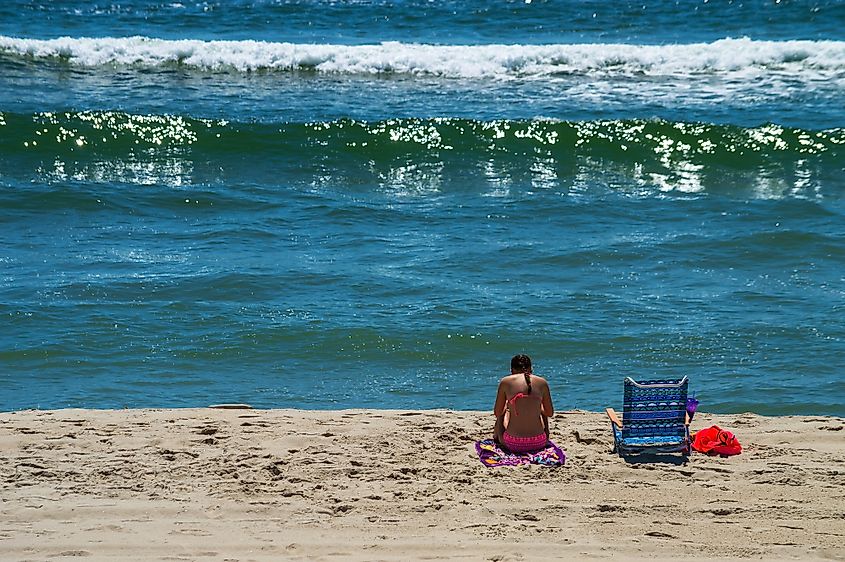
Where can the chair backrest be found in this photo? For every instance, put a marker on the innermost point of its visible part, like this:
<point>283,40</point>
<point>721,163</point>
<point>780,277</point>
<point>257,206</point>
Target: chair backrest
<point>654,408</point>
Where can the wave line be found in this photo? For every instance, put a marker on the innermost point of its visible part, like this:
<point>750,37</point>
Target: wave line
<point>810,58</point>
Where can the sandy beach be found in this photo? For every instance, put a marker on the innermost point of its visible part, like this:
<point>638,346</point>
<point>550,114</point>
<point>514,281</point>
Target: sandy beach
<point>206,484</point>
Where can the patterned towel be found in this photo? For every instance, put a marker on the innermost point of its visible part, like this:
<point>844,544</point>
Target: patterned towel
<point>491,454</point>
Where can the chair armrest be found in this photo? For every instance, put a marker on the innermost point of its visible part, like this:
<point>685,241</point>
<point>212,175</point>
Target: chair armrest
<point>613,417</point>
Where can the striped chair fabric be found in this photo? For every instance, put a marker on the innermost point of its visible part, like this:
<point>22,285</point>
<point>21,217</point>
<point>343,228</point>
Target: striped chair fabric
<point>653,417</point>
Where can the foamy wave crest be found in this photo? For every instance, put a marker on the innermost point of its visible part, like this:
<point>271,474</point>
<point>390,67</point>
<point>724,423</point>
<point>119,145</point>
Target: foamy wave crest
<point>808,59</point>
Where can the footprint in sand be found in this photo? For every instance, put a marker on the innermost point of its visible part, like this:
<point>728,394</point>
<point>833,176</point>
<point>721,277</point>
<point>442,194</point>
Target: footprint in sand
<point>720,512</point>
<point>191,532</point>
<point>112,528</point>
<point>606,508</point>
<point>660,535</point>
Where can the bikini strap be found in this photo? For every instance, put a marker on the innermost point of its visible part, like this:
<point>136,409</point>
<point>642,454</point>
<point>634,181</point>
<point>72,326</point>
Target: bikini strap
<point>512,401</point>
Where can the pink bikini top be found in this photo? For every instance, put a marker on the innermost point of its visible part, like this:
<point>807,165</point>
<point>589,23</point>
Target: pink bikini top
<point>512,401</point>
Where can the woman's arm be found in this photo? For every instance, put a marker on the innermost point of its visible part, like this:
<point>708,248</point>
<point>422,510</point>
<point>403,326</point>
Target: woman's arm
<point>501,400</point>
<point>548,407</point>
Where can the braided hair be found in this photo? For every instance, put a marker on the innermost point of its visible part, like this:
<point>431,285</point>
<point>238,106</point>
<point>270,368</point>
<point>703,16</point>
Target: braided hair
<point>522,363</point>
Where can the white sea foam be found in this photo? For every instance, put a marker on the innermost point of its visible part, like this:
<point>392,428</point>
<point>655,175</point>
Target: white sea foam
<point>742,59</point>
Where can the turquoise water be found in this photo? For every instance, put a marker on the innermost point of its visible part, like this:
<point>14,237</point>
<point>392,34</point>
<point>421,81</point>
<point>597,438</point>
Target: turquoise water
<point>375,204</point>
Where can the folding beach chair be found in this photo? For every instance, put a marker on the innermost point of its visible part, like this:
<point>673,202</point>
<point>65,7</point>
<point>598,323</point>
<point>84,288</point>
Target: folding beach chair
<point>654,418</point>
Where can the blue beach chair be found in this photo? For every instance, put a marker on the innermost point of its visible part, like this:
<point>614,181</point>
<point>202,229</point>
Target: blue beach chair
<point>654,418</point>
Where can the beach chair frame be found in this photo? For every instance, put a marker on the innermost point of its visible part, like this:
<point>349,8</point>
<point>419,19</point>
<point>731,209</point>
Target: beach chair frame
<point>654,418</point>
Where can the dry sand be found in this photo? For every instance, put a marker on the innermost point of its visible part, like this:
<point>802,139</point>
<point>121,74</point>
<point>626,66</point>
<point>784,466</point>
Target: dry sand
<point>243,485</point>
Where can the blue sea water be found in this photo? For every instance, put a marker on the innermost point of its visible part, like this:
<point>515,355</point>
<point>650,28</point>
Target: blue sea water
<point>332,204</point>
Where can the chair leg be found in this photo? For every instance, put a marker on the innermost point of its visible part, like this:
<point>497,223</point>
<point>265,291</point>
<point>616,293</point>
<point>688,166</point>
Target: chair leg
<point>615,442</point>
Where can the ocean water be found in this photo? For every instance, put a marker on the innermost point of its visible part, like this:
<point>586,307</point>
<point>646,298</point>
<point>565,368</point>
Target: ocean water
<point>373,203</point>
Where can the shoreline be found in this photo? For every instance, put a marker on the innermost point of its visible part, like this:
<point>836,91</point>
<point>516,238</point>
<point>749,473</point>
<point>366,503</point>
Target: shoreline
<point>219,484</point>
<point>243,407</point>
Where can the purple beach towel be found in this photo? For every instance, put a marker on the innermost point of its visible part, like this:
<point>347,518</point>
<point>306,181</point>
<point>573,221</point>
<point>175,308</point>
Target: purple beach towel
<point>491,454</point>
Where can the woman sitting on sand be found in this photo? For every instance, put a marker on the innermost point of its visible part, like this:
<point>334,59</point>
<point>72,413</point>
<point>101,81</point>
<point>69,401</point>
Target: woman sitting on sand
<point>523,408</point>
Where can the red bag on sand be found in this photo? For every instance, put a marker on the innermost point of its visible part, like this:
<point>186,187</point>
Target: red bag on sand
<point>716,441</point>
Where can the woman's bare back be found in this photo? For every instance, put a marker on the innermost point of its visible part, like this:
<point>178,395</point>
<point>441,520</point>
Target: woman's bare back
<point>526,406</point>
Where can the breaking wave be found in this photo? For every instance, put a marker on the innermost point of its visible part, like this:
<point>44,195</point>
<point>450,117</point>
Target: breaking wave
<point>809,60</point>
<point>422,154</point>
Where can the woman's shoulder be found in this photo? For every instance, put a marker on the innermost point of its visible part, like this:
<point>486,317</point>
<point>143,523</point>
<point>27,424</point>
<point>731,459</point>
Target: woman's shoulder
<point>537,379</point>
<point>510,383</point>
